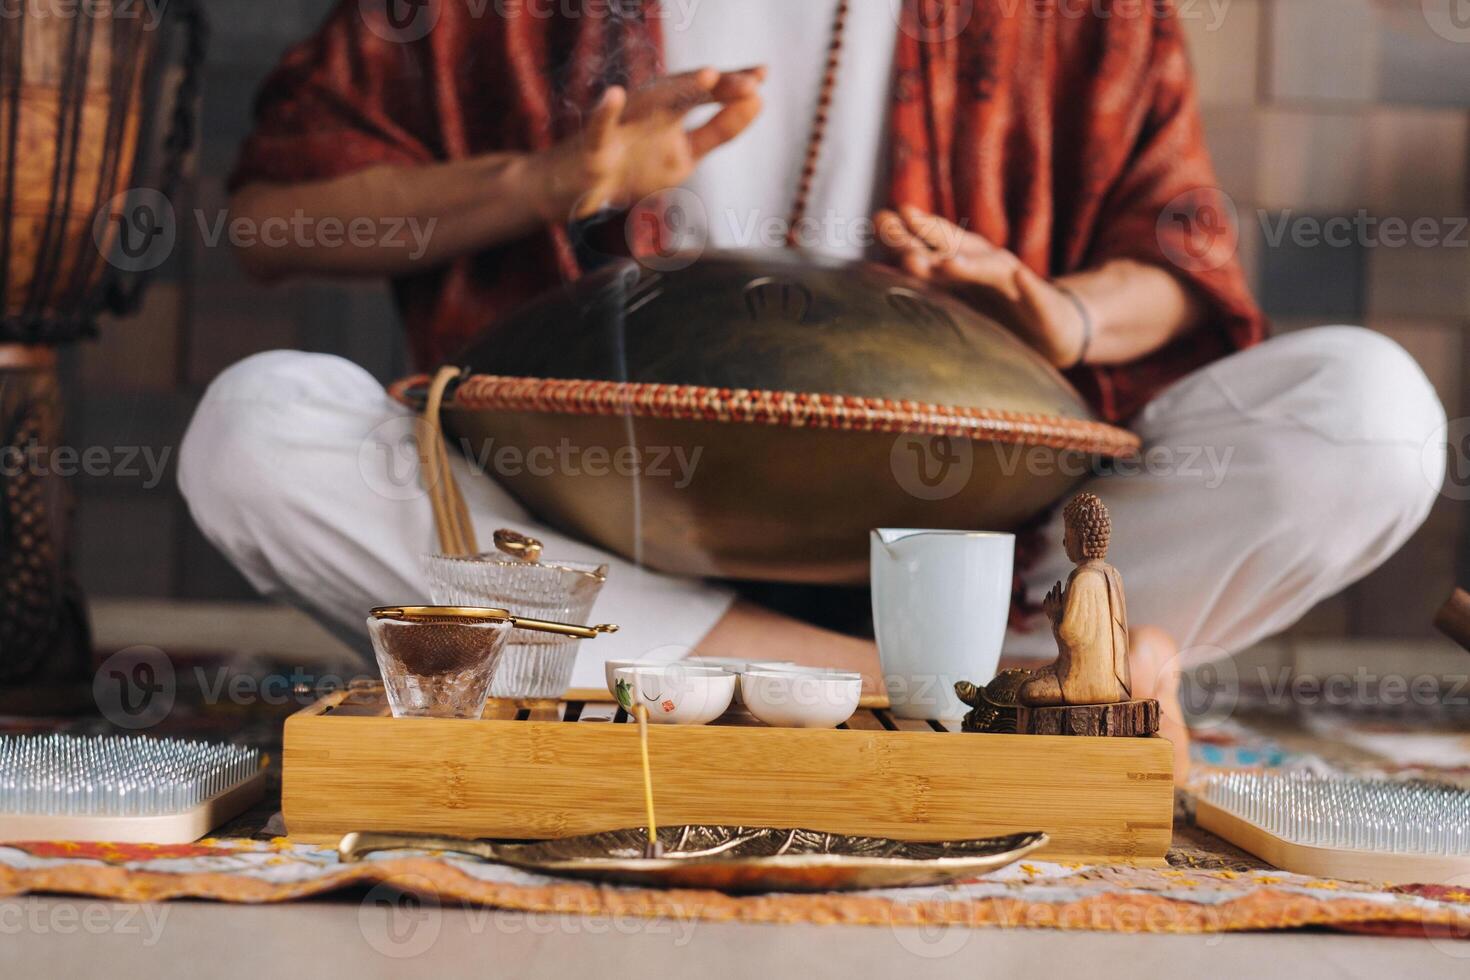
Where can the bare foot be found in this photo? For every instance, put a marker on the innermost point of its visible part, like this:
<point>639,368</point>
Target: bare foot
<point>1153,659</point>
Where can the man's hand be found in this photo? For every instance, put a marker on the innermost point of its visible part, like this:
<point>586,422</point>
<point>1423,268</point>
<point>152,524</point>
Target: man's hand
<point>631,146</point>
<point>634,145</point>
<point>928,247</point>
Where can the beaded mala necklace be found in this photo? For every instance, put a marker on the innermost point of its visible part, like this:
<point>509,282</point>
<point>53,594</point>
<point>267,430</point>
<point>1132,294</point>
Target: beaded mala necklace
<point>819,124</point>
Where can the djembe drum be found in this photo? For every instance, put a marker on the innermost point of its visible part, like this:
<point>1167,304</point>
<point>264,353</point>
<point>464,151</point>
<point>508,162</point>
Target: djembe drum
<point>810,399</point>
<point>79,87</point>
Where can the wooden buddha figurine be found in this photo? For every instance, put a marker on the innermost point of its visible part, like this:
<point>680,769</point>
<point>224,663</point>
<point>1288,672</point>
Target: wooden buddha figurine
<point>1088,618</point>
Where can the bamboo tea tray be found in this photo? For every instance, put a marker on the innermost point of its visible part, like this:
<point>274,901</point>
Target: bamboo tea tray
<point>556,769</point>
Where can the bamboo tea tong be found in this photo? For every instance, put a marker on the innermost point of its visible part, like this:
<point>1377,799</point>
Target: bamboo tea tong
<point>451,515</point>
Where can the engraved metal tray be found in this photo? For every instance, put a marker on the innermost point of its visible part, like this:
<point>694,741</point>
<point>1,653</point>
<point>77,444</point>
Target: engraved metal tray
<point>731,859</point>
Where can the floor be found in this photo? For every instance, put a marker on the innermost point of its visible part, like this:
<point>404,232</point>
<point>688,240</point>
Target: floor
<point>375,935</point>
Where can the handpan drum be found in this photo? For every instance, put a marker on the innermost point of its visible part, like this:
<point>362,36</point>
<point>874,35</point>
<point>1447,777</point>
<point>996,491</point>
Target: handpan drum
<point>753,415</point>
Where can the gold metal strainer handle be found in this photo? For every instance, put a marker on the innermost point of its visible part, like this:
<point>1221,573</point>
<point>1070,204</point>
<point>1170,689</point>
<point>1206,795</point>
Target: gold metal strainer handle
<point>421,614</point>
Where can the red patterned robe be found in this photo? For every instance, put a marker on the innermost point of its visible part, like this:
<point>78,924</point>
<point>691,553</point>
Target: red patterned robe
<point>1067,137</point>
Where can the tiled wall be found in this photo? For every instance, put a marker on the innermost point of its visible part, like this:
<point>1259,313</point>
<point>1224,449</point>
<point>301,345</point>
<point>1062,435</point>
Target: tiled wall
<point>1323,108</point>
<point>1314,108</point>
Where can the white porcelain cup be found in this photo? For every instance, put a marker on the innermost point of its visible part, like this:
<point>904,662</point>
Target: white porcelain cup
<point>801,699</point>
<point>675,666</point>
<point>674,694</point>
<point>940,604</point>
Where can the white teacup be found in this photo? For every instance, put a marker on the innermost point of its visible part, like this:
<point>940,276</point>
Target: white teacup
<point>801,699</point>
<point>612,666</point>
<point>676,695</point>
<point>940,604</point>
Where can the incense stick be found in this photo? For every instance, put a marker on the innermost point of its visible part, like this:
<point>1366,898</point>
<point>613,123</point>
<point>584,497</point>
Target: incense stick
<point>641,712</point>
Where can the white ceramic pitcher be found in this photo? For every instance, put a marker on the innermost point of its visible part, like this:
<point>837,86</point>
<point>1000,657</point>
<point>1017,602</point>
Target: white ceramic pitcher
<point>940,604</point>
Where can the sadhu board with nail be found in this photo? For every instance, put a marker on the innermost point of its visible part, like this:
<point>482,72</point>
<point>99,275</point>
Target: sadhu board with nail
<point>752,416</point>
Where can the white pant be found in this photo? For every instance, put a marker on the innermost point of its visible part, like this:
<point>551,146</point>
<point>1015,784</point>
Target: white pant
<point>1269,481</point>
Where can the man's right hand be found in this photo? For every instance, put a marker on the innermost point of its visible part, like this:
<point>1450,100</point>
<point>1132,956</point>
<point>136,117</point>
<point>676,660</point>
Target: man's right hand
<point>631,146</point>
<point>634,145</point>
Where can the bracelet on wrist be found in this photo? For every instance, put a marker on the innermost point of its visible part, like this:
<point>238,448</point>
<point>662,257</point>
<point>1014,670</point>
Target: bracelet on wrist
<point>1087,326</point>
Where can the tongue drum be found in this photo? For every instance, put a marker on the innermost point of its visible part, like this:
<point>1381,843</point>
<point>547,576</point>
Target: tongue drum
<point>753,415</point>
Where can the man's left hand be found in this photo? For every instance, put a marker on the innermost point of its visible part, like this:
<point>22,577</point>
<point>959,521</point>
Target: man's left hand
<point>929,247</point>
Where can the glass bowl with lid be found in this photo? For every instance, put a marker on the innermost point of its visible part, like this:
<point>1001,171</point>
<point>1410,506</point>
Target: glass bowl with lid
<point>535,664</point>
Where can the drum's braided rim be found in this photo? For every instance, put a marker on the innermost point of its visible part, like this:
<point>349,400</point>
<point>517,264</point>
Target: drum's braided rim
<point>696,403</point>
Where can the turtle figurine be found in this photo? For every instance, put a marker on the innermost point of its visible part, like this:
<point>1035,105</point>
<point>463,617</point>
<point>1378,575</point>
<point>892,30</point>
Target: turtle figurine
<point>993,707</point>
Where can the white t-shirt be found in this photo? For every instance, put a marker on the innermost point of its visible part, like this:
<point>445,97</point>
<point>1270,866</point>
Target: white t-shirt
<point>745,188</point>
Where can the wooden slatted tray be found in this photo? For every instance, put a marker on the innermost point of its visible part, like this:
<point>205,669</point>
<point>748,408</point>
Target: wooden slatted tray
<point>551,769</point>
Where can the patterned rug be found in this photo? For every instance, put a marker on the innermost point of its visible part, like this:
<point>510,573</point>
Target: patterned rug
<point>1029,894</point>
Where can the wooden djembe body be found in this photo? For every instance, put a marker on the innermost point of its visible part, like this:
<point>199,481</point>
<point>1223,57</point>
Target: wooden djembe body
<point>79,88</point>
